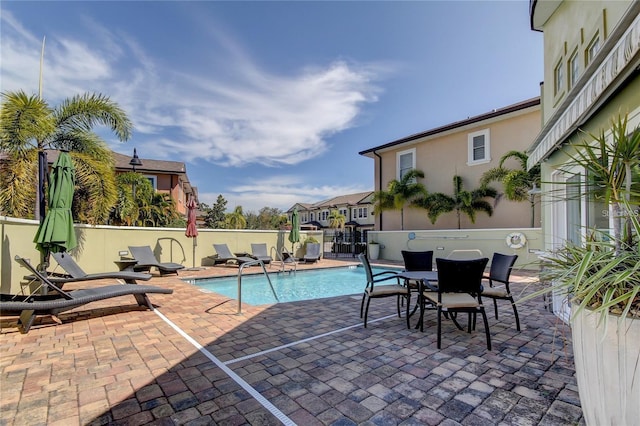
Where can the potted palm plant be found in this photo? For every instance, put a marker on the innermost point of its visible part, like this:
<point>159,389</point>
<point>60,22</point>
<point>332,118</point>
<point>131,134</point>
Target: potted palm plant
<point>601,279</point>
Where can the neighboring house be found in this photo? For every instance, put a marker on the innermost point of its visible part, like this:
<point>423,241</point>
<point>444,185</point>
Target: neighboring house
<point>167,177</point>
<point>356,208</point>
<point>591,63</point>
<point>466,148</point>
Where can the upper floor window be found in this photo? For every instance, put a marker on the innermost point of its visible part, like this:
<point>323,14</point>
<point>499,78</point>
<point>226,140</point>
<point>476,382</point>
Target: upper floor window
<point>558,78</point>
<point>311,217</point>
<point>574,68</point>
<point>479,148</point>
<point>153,180</point>
<point>405,161</point>
<point>593,48</point>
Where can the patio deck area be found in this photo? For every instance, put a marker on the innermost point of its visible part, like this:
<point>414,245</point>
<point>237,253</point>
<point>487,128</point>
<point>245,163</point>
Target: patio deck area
<point>195,361</point>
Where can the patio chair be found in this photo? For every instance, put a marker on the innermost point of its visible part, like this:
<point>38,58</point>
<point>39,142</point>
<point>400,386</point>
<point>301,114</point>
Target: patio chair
<point>259,251</point>
<point>57,300</point>
<point>146,260</point>
<point>375,291</point>
<point>75,273</point>
<point>223,255</point>
<point>500,272</point>
<point>312,253</point>
<point>458,290</point>
<point>416,261</point>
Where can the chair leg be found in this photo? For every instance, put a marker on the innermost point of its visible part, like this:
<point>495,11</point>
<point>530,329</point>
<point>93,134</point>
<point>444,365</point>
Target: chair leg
<point>515,313</point>
<point>486,328</point>
<point>366,312</point>
<point>407,314</point>
<point>362,304</point>
<point>439,326</point>
<point>495,308</point>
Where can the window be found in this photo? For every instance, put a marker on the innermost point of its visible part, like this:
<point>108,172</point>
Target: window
<point>574,68</point>
<point>364,212</point>
<point>405,161</point>
<point>354,213</point>
<point>593,48</point>
<point>153,180</point>
<point>311,216</point>
<point>479,147</point>
<point>558,79</point>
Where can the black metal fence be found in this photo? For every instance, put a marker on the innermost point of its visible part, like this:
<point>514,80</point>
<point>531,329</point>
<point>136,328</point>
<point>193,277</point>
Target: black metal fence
<point>346,243</point>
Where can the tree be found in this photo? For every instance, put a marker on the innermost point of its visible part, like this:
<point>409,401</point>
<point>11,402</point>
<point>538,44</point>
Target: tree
<point>517,183</point>
<point>399,193</point>
<point>146,208</point>
<point>28,126</point>
<point>236,219</point>
<point>462,201</point>
<point>336,219</point>
<point>215,216</point>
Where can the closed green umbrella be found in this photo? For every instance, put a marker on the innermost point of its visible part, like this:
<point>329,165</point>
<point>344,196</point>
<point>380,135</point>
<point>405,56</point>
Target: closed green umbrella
<point>294,235</point>
<point>55,233</point>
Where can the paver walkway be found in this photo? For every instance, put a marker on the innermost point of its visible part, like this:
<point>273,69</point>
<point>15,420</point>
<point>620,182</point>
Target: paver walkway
<point>194,361</point>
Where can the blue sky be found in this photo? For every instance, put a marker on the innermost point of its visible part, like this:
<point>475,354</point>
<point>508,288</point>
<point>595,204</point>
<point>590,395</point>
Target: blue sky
<point>268,103</point>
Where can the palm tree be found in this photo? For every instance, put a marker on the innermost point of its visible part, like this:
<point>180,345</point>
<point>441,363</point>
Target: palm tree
<point>28,126</point>
<point>463,201</point>
<point>236,219</point>
<point>399,193</point>
<point>518,183</point>
<point>336,219</point>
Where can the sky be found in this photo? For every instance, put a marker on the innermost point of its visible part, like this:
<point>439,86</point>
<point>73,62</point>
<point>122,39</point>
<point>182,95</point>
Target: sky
<point>268,103</point>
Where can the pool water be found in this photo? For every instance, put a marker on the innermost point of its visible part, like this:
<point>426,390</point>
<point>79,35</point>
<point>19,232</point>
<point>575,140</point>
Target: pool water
<point>290,286</point>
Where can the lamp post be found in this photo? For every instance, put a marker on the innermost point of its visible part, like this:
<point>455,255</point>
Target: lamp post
<point>135,161</point>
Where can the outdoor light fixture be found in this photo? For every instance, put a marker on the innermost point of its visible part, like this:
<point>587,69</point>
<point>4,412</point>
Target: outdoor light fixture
<point>135,161</point>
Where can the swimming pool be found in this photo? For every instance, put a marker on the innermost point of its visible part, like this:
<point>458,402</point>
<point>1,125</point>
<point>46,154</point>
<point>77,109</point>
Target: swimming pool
<point>290,286</point>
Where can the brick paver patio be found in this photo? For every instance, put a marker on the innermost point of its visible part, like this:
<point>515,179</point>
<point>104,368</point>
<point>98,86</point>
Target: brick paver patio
<point>195,361</point>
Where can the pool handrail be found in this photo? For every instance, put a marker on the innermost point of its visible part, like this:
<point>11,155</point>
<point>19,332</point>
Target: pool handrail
<point>285,262</point>
<point>266,274</point>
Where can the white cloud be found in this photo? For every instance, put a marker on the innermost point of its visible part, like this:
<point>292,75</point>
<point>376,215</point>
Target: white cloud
<point>277,191</point>
<point>253,116</point>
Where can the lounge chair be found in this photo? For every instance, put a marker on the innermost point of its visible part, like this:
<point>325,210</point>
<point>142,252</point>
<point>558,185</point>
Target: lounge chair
<point>58,300</point>
<point>313,252</point>
<point>259,251</point>
<point>146,260</point>
<point>223,255</point>
<point>75,273</point>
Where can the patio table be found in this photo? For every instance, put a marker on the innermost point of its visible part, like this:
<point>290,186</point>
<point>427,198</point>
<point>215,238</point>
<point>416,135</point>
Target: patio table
<point>420,277</point>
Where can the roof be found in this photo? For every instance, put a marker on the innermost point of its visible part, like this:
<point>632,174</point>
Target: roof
<point>458,124</point>
<point>148,166</point>
<point>340,200</point>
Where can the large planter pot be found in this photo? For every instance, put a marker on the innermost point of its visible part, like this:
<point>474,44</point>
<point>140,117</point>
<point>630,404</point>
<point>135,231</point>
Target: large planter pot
<point>607,368</point>
<point>374,251</point>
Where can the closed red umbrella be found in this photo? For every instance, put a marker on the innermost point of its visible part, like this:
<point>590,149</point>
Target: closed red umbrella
<point>192,230</point>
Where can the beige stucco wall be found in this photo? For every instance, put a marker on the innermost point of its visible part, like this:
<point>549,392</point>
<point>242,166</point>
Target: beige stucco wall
<point>443,156</point>
<point>99,246</point>
<point>571,27</point>
<point>443,242</point>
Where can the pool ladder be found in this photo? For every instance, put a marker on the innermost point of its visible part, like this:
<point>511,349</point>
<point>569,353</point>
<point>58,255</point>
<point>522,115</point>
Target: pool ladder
<point>289,260</point>
<point>266,274</point>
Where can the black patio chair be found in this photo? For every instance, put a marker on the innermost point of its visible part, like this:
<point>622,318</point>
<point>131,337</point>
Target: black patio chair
<point>375,291</point>
<point>458,291</point>
<point>500,272</point>
<point>146,260</point>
